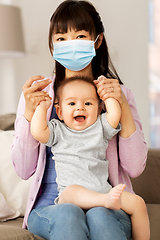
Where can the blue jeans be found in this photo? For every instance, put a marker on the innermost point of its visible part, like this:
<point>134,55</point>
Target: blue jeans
<point>69,222</point>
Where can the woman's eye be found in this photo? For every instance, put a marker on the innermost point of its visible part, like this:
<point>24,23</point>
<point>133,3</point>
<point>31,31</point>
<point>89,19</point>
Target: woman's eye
<point>72,103</point>
<point>60,39</point>
<point>88,103</point>
<point>81,36</point>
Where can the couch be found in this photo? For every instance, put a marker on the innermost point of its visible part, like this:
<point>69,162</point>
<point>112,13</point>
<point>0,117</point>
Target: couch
<point>13,198</point>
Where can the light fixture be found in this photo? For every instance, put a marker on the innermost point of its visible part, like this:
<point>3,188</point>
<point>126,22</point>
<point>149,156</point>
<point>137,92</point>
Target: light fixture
<point>11,33</point>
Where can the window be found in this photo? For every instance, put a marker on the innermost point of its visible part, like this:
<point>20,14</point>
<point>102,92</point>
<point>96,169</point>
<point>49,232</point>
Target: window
<point>154,72</point>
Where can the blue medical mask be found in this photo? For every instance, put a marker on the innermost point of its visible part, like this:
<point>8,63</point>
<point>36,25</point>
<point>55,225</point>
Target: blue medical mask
<point>74,55</point>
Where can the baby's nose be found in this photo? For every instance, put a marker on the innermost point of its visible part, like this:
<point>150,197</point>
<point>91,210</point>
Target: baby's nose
<point>80,108</point>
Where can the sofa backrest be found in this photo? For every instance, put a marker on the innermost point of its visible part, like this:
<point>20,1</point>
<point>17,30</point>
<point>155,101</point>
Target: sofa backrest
<point>147,185</point>
<point>7,121</point>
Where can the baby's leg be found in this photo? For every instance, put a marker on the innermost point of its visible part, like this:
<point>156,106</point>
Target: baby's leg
<point>136,207</point>
<point>81,197</point>
<point>87,199</point>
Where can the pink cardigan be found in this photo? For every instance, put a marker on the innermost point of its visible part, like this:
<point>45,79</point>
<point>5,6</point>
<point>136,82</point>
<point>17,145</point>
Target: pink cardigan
<point>29,156</point>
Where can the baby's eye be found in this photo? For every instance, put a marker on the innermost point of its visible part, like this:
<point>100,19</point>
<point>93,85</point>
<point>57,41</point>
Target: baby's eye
<point>72,103</point>
<point>88,103</point>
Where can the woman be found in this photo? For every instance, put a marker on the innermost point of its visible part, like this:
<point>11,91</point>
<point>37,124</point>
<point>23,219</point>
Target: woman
<point>72,23</point>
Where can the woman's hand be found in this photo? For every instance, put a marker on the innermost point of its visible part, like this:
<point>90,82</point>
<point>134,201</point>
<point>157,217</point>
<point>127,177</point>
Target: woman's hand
<point>107,88</point>
<point>34,94</point>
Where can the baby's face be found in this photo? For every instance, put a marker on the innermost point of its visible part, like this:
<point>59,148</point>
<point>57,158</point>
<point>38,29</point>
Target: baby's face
<point>79,106</point>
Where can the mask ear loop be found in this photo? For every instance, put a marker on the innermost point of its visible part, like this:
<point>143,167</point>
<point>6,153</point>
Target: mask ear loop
<point>96,38</point>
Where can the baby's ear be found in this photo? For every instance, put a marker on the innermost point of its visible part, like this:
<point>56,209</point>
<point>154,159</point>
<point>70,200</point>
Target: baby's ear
<point>59,112</point>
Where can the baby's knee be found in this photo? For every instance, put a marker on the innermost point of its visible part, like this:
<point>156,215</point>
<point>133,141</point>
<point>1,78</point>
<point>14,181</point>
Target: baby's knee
<point>70,189</point>
<point>66,194</point>
<point>140,203</point>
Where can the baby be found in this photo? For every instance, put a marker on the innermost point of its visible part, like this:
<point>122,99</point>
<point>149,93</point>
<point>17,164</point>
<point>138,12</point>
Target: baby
<point>79,142</point>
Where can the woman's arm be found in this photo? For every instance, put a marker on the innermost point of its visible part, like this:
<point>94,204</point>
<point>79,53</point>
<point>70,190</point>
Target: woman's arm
<point>132,146</point>
<point>133,150</point>
<point>25,149</point>
<point>127,121</point>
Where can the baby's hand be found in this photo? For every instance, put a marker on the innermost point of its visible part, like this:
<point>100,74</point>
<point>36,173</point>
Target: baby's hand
<point>100,85</point>
<point>47,102</point>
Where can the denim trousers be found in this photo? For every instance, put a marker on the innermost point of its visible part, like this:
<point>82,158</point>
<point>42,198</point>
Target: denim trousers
<point>69,222</point>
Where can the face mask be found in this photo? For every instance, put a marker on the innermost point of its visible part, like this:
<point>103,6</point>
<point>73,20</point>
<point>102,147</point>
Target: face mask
<point>74,55</point>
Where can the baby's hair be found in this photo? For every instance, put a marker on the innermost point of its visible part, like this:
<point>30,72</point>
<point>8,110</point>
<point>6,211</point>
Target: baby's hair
<point>71,79</point>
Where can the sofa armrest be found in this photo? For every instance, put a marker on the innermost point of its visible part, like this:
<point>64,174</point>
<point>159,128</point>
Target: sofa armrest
<point>147,185</point>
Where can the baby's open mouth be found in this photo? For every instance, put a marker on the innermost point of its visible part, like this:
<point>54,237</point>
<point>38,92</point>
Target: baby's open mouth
<point>80,118</point>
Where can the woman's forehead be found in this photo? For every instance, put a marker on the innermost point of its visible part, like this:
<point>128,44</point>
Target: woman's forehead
<point>68,27</point>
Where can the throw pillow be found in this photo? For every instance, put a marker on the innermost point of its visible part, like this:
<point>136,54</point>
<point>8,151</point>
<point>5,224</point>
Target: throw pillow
<point>12,188</point>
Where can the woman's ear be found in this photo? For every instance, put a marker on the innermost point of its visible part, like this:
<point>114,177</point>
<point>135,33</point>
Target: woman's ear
<point>59,112</point>
<point>99,41</point>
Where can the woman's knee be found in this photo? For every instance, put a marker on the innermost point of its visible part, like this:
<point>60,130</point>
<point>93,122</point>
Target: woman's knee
<point>115,224</point>
<point>73,220</point>
<point>97,215</point>
<point>105,214</point>
<point>70,213</point>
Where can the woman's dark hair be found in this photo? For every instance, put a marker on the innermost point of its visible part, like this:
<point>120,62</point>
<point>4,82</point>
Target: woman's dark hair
<point>81,15</point>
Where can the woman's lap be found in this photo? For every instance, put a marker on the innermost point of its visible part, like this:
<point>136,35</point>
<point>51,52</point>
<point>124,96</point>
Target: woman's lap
<point>67,221</point>
<point>106,224</point>
<point>58,222</point>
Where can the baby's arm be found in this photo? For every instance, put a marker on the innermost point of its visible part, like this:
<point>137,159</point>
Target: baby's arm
<point>113,108</point>
<point>113,113</point>
<point>39,128</point>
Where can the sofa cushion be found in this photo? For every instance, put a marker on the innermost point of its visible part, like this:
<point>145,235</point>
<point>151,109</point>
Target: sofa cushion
<point>12,230</point>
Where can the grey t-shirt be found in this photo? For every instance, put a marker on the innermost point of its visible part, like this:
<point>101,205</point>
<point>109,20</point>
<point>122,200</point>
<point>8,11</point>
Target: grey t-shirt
<point>80,156</point>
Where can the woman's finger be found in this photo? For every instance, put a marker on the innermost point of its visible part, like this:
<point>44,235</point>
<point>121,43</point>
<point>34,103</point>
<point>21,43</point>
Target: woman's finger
<point>108,88</point>
<point>31,80</point>
<point>30,97</point>
<point>36,84</point>
<point>114,94</point>
<point>40,85</point>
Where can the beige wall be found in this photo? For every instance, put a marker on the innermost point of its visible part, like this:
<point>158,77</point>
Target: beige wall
<point>126,25</point>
